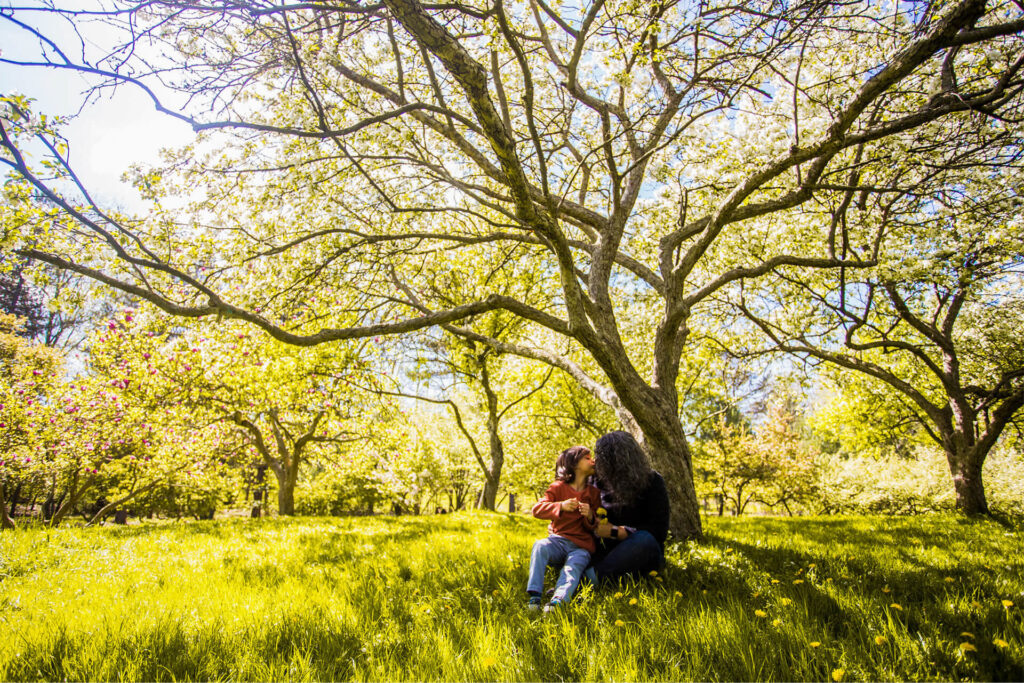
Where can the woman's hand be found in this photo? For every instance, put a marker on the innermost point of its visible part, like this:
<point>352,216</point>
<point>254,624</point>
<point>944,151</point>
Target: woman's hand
<point>604,530</point>
<point>585,509</point>
<point>570,505</point>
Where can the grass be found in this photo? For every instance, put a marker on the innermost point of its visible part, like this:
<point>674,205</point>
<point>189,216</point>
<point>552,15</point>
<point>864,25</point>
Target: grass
<point>441,598</point>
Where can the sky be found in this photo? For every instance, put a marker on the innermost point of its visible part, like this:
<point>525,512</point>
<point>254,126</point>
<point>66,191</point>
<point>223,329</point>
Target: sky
<point>114,132</point>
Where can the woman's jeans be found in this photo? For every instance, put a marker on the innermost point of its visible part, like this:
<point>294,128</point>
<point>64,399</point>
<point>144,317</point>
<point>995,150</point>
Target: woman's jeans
<point>637,555</point>
<point>555,550</point>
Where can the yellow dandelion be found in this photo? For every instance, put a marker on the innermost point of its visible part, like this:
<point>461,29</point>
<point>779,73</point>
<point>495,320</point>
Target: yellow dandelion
<point>1000,643</point>
<point>757,594</point>
<point>774,581</point>
<point>704,592</point>
<point>949,579</point>
<point>881,640</point>
<point>886,589</point>
<point>760,614</point>
<point>812,565</point>
<point>828,580</point>
<point>837,674</point>
<point>1007,604</point>
<point>619,594</point>
<point>659,579</point>
<point>896,606</point>
<point>679,594</point>
<point>967,634</point>
<point>496,592</point>
<point>601,512</point>
<point>620,623</point>
<point>776,622</point>
<point>967,647</point>
<point>797,582</point>
<point>488,662</point>
<point>728,550</point>
<point>785,602</point>
<point>653,572</point>
<point>632,601</point>
<point>814,643</point>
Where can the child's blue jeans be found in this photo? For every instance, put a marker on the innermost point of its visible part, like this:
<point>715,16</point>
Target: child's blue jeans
<point>555,550</point>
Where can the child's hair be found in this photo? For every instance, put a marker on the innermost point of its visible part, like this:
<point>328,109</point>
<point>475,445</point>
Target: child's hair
<point>565,466</point>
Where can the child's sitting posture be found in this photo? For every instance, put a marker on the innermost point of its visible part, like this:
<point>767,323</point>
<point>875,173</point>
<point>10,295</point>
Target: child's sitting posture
<point>569,503</point>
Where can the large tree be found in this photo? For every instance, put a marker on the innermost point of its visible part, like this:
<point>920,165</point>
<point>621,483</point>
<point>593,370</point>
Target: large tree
<point>370,147</point>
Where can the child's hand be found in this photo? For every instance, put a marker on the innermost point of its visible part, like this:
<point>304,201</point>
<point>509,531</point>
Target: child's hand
<point>570,505</point>
<point>585,509</point>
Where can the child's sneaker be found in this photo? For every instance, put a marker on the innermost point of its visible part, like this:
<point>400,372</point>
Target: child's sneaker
<point>552,606</point>
<point>533,604</point>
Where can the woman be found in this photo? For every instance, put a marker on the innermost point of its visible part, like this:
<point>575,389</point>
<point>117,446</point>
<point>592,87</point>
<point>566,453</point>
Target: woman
<point>636,500</point>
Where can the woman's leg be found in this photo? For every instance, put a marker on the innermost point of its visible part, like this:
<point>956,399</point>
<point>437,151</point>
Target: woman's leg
<point>638,554</point>
<point>569,578</point>
<point>545,551</point>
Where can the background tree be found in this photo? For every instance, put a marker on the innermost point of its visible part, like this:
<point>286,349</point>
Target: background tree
<point>404,131</point>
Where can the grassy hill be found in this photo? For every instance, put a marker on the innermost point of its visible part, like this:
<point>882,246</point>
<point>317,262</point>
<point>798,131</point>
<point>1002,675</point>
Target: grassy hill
<point>441,598</point>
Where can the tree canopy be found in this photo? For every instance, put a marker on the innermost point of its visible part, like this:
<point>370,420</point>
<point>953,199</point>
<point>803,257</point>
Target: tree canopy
<point>356,158</point>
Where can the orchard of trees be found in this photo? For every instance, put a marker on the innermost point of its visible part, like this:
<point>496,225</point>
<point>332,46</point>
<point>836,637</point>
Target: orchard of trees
<point>780,242</point>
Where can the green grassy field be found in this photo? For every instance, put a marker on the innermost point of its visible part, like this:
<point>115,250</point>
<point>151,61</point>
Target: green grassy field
<point>441,598</point>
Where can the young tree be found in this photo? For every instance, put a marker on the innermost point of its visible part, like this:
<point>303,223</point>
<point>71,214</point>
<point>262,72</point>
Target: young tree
<point>616,145</point>
<point>937,322</point>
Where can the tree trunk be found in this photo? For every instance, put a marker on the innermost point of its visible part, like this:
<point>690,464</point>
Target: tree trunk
<point>663,438</point>
<point>286,478</point>
<point>5,521</point>
<point>15,495</point>
<point>970,490</point>
<point>489,496</point>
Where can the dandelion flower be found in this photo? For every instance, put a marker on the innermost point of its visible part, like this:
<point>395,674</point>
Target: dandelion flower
<point>488,661</point>
<point>620,623</point>
<point>967,647</point>
<point>837,674</point>
<point>1000,643</point>
<point>785,602</point>
<point>619,594</point>
<point>632,601</point>
<point>496,592</point>
<point>797,582</point>
<point>679,594</point>
<point>950,579</point>
<point>881,640</point>
<point>659,579</point>
<point>966,634</point>
<point>886,589</point>
<point>774,581</point>
<point>896,606</point>
<point>728,550</point>
<point>1007,604</point>
<point>776,622</point>
<point>814,643</point>
<point>760,614</point>
<point>653,572</point>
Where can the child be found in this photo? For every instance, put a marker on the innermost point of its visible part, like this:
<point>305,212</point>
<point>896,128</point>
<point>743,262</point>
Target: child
<point>569,503</point>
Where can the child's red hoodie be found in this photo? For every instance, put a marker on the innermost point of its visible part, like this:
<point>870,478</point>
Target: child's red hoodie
<point>572,525</point>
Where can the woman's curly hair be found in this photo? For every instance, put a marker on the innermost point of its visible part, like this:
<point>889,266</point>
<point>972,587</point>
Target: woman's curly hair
<point>565,466</point>
<point>622,467</point>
